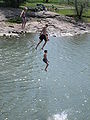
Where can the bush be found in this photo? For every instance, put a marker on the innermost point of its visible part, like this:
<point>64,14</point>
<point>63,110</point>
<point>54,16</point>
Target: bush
<point>15,20</point>
<point>13,3</point>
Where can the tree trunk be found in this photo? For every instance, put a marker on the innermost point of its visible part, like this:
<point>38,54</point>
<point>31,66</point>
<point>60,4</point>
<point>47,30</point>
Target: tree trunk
<point>68,2</point>
<point>81,12</point>
<point>46,1</point>
<point>76,8</point>
<point>18,2</point>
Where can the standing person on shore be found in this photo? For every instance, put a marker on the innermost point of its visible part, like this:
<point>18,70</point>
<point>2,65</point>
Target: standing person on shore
<point>45,59</point>
<point>23,16</point>
<point>43,35</point>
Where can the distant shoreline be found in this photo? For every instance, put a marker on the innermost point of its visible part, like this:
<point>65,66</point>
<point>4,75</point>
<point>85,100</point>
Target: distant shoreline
<point>58,25</point>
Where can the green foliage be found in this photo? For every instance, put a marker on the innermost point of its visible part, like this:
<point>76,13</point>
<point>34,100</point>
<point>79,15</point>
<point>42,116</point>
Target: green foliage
<point>15,20</point>
<point>50,1</point>
<point>61,6</point>
<point>80,5</point>
<point>13,3</point>
<point>1,3</point>
<point>68,12</point>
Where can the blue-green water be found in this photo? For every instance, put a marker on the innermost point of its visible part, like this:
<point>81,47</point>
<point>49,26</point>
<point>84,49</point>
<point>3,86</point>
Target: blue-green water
<point>27,92</point>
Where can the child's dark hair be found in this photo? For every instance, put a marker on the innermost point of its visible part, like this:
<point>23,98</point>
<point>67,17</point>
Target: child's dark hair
<point>45,51</point>
<point>46,25</point>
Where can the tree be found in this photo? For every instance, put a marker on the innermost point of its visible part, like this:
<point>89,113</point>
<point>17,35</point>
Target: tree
<point>13,3</point>
<point>68,2</point>
<point>46,1</point>
<point>80,5</point>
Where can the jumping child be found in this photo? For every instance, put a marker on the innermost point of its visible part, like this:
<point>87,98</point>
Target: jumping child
<point>45,59</point>
<point>43,35</point>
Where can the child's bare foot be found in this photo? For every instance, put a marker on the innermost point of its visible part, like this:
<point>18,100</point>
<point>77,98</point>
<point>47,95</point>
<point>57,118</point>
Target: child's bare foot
<point>46,70</point>
<point>42,48</point>
<point>36,48</point>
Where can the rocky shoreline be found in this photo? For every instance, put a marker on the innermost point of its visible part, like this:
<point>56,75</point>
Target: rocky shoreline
<point>58,25</point>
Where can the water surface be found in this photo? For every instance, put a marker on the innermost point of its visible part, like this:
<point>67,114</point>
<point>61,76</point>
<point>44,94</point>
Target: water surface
<point>27,92</point>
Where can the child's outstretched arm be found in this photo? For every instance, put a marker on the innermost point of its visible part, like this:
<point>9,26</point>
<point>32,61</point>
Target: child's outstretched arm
<point>21,13</point>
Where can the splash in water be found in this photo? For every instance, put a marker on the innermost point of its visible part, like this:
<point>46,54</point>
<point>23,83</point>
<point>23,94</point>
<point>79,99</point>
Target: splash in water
<point>62,116</point>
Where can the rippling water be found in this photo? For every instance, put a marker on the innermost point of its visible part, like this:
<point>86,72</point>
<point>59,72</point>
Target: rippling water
<point>27,92</point>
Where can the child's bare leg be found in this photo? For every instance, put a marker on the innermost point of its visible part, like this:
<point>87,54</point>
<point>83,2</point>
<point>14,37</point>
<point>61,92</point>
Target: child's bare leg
<point>46,67</point>
<point>47,38</point>
<point>44,45</point>
<point>24,23</point>
<point>22,26</point>
<point>38,44</point>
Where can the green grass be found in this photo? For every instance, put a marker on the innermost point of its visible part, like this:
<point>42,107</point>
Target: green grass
<point>15,20</point>
<point>87,13</point>
<point>66,11</point>
<point>87,20</point>
<point>29,4</point>
<point>43,1</point>
<point>32,3</point>
<point>86,16</point>
<point>50,1</point>
<point>1,3</point>
<point>62,9</point>
<point>72,11</point>
<point>35,1</point>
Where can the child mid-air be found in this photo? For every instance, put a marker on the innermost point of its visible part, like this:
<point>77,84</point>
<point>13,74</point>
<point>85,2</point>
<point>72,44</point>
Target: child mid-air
<point>45,59</point>
<point>43,35</point>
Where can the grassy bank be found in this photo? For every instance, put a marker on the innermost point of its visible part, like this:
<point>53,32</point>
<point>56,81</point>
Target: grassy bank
<point>71,12</point>
<point>59,7</point>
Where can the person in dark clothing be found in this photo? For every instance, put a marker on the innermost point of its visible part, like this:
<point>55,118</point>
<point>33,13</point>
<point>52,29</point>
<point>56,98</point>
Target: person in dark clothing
<point>43,35</point>
<point>45,59</point>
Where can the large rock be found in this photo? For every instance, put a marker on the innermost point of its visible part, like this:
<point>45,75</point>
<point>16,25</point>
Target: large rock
<point>42,14</point>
